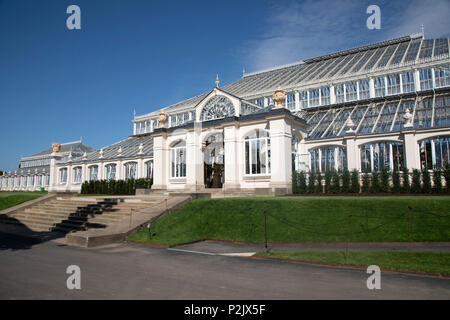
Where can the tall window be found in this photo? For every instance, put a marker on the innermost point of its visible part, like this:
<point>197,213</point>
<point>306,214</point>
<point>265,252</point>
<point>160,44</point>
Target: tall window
<point>130,170</point>
<point>290,99</point>
<point>324,96</point>
<point>314,97</point>
<point>39,180</point>
<point>328,158</point>
<point>340,93</point>
<point>93,173</point>
<point>351,91</point>
<point>149,169</point>
<point>63,175</point>
<point>426,79</point>
<point>111,171</point>
<point>77,175</point>
<point>257,153</point>
<point>47,180</point>
<point>303,99</point>
<point>408,81</point>
<point>364,89</point>
<point>382,155</point>
<point>393,84</point>
<point>30,181</point>
<point>380,87</point>
<point>434,153</point>
<point>178,160</point>
<point>442,76</point>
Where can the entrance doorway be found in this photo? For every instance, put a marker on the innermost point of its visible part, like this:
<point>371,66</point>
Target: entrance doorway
<point>214,161</point>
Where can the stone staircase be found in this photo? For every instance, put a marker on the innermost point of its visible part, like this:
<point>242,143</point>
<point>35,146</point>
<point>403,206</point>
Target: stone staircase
<point>72,214</point>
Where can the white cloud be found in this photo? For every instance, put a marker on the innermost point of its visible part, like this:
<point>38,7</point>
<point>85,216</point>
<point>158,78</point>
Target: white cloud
<point>296,30</point>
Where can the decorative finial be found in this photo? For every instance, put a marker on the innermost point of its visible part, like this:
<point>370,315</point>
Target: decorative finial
<point>120,151</point>
<point>101,153</point>
<point>217,81</point>
<point>56,147</point>
<point>422,29</point>
<point>141,148</point>
<point>349,124</point>
<point>134,112</point>
<point>279,96</point>
<point>162,118</point>
<point>243,72</point>
<point>85,156</point>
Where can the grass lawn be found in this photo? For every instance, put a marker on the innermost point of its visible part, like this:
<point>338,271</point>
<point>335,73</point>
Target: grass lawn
<point>12,198</point>
<point>431,262</point>
<point>304,219</point>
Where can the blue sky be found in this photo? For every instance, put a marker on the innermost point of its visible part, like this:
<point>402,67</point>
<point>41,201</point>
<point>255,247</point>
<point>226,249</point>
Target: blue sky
<point>58,84</point>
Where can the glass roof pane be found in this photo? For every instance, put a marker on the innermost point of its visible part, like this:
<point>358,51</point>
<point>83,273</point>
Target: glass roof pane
<point>324,124</point>
<point>375,58</point>
<point>440,47</point>
<point>335,62</point>
<point>427,48</point>
<point>357,116</point>
<point>352,63</point>
<point>369,120</point>
<point>384,124</point>
<point>315,119</point>
<point>339,67</point>
<point>387,55</point>
<point>398,57</point>
<point>413,50</point>
<point>364,59</point>
<point>338,123</point>
<point>423,113</point>
<point>442,111</point>
<point>319,69</point>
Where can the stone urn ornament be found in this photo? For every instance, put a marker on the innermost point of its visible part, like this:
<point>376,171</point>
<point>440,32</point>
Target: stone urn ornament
<point>56,147</point>
<point>349,124</point>
<point>162,118</point>
<point>408,118</point>
<point>279,96</point>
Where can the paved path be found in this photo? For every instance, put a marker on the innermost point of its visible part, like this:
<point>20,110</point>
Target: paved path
<point>221,247</point>
<point>30,269</point>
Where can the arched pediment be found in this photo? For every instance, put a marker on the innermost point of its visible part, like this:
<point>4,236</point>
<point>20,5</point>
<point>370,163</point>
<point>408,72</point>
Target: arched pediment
<point>217,107</point>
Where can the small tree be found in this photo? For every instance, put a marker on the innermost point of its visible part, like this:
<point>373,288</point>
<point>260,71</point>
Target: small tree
<point>345,181</point>
<point>354,181</point>
<point>365,183</point>
<point>416,185</point>
<point>311,182</point>
<point>319,186</point>
<point>301,182</point>
<point>396,186</point>
<point>375,183</point>
<point>426,187</point>
<point>446,174</point>
<point>384,181</point>
<point>335,182</point>
<point>406,188</point>
<point>328,175</point>
<point>437,181</point>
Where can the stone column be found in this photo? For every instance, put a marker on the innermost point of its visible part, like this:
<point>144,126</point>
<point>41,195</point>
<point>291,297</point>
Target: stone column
<point>231,160</point>
<point>411,150</point>
<point>194,161</point>
<point>161,159</point>
<point>281,159</point>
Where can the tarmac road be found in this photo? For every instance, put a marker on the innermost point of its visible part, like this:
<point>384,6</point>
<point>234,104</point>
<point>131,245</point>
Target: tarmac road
<point>30,269</point>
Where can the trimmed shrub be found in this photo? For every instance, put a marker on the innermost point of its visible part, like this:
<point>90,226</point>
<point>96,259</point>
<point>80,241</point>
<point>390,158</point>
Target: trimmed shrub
<point>375,183</point>
<point>384,181</point>
<point>302,182</point>
<point>328,175</point>
<point>345,181</point>
<point>396,185</point>
<point>319,186</point>
<point>426,187</point>
<point>365,183</point>
<point>446,174</point>
<point>311,182</point>
<point>354,181</point>
<point>437,181</point>
<point>416,185</point>
<point>335,186</point>
<point>113,187</point>
<point>406,186</point>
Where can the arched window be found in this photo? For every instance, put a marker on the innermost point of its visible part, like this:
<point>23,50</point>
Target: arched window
<point>149,169</point>
<point>217,107</point>
<point>328,158</point>
<point>130,170</point>
<point>63,175</point>
<point>77,175</point>
<point>110,171</point>
<point>178,160</point>
<point>434,153</point>
<point>39,180</point>
<point>93,173</point>
<point>257,153</point>
<point>382,155</point>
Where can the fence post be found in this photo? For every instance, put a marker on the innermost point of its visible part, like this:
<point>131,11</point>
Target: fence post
<point>265,229</point>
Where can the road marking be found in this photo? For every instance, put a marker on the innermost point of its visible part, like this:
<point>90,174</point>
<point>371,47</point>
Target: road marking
<point>190,251</point>
<point>239,254</point>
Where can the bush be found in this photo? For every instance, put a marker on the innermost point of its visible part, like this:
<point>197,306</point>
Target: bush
<point>406,187</point>
<point>426,187</point>
<point>354,179</point>
<point>365,183</point>
<point>113,187</point>
<point>302,182</point>
<point>437,181</point>
<point>311,182</point>
<point>335,182</point>
<point>416,185</point>
<point>319,187</point>
<point>328,175</point>
<point>384,181</point>
<point>446,174</point>
<point>396,185</point>
<point>345,181</point>
<point>375,183</point>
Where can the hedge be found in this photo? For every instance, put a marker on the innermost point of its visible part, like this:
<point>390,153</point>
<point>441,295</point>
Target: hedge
<point>115,187</point>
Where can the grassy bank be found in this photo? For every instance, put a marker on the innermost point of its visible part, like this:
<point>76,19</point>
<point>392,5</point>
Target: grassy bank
<point>430,262</point>
<point>305,219</point>
<point>12,198</point>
